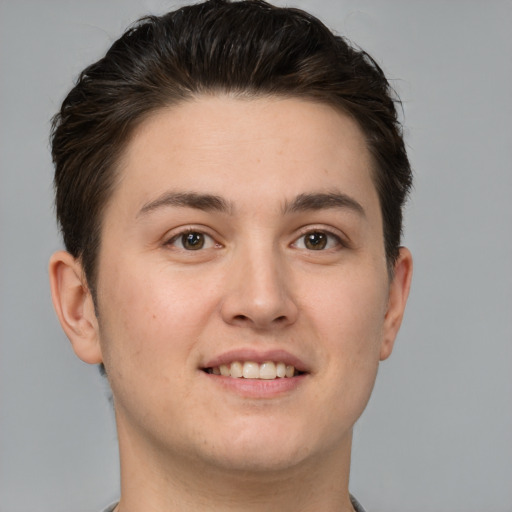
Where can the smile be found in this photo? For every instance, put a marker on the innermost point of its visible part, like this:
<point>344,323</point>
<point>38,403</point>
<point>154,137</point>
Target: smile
<point>268,370</point>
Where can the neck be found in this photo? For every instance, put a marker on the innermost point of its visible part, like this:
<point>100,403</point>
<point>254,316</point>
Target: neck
<point>158,481</point>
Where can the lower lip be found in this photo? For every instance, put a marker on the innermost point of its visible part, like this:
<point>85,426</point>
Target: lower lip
<point>258,388</point>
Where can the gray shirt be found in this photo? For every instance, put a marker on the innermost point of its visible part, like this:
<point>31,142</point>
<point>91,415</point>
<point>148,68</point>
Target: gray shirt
<point>357,506</point>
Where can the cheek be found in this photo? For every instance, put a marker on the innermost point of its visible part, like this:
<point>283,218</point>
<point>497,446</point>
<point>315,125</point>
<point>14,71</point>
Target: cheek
<point>349,319</point>
<point>350,310</point>
<point>151,313</point>
<point>147,333</point>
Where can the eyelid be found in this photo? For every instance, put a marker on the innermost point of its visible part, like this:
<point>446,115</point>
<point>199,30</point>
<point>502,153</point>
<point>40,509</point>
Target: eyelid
<point>171,237</point>
<point>330,231</point>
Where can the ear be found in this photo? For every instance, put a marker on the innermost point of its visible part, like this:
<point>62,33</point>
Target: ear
<point>398,293</point>
<point>74,306</point>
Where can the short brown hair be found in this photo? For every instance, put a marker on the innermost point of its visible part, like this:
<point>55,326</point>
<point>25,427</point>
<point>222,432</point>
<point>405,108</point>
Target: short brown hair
<point>249,48</point>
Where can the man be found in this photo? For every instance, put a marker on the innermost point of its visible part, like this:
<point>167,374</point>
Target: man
<point>229,181</point>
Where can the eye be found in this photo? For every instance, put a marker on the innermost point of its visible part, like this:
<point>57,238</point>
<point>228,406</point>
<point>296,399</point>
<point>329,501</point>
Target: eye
<point>317,241</point>
<point>192,241</point>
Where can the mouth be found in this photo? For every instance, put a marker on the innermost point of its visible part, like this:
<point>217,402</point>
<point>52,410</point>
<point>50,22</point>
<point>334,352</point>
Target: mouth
<point>268,370</point>
<point>249,364</point>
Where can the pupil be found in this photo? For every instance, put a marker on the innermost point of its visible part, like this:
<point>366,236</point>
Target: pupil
<point>316,241</point>
<point>193,241</point>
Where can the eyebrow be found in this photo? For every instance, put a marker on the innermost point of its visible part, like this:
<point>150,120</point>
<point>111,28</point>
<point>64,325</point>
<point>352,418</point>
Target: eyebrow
<point>322,201</point>
<point>205,202</point>
<point>210,202</point>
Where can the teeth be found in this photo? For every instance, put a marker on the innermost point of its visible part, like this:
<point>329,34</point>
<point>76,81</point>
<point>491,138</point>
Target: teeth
<point>268,371</point>
<point>251,370</point>
<point>236,370</point>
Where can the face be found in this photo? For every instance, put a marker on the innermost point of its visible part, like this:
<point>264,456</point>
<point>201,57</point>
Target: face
<point>244,238</point>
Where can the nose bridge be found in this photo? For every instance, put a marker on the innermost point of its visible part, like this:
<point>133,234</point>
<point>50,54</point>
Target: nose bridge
<point>259,291</point>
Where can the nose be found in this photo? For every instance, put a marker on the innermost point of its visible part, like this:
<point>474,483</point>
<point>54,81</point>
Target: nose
<point>258,292</point>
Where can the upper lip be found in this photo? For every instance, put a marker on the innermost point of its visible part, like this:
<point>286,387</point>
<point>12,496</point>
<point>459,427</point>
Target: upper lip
<point>257,356</point>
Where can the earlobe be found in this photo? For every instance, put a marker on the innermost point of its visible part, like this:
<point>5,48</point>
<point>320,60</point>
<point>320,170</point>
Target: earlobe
<point>398,294</point>
<point>74,306</point>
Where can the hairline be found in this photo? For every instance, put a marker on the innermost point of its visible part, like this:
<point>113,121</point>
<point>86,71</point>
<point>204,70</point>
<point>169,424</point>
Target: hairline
<point>238,94</point>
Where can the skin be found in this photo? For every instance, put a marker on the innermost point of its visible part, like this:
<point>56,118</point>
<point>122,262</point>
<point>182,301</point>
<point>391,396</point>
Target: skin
<point>188,442</point>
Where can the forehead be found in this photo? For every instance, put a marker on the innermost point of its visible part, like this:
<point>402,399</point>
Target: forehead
<point>246,148</point>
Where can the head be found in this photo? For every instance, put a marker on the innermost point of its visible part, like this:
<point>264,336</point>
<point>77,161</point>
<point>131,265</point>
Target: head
<point>247,49</point>
<point>230,180</point>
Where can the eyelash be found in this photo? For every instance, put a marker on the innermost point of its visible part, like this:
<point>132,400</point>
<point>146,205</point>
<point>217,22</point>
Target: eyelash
<point>192,231</point>
<point>210,241</point>
<point>338,241</point>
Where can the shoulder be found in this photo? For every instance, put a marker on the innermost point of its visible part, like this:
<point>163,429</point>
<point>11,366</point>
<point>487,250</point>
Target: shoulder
<point>110,508</point>
<point>357,506</point>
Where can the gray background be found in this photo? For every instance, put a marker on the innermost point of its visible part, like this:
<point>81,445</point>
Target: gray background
<point>437,435</point>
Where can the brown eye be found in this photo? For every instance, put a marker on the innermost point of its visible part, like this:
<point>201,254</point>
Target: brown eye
<point>315,241</point>
<point>192,241</point>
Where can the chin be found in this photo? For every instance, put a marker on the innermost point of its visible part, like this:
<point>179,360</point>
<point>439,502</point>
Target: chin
<point>273,448</point>
<point>259,461</point>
